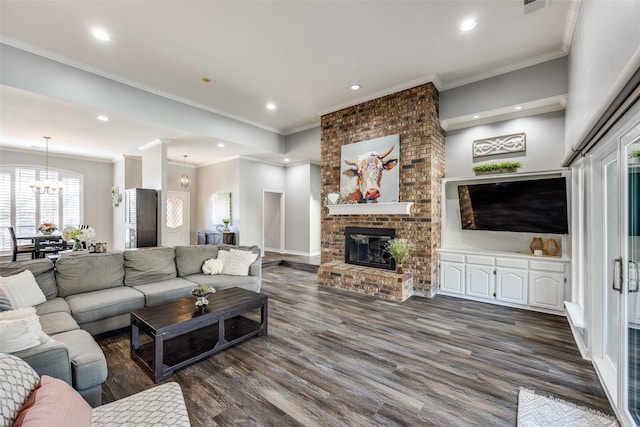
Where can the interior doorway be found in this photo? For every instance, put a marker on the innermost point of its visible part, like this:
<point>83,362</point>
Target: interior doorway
<point>273,221</point>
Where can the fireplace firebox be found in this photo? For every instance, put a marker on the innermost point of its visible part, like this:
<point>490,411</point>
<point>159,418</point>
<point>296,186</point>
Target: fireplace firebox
<point>366,246</point>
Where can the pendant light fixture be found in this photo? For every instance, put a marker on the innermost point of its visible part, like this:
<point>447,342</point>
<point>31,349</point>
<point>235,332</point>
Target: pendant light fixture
<point>46,186</point>
<point>184,178</point>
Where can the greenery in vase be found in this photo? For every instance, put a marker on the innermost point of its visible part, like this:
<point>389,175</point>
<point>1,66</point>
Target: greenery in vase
<point>202,290</point>
<point>497,166</point>
<point>399,249</point>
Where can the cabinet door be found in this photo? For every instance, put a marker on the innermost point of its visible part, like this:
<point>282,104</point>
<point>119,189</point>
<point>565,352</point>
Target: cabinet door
<point>512,285</point>
<point>546,290</point>
<point>480,281</point>
<point>452,277</point>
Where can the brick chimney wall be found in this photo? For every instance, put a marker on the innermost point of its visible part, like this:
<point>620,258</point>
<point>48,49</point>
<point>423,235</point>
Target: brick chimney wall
<point>412,113</point>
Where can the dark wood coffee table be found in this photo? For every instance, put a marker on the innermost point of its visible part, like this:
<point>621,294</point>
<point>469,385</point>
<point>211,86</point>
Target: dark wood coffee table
<point>179,333</point>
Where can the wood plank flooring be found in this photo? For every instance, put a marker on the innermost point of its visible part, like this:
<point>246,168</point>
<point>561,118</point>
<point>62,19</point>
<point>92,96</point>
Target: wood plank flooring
<point>334,358</point>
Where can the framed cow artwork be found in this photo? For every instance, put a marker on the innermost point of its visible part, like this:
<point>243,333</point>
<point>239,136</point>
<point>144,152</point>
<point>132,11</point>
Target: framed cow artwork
<point>369,171</point>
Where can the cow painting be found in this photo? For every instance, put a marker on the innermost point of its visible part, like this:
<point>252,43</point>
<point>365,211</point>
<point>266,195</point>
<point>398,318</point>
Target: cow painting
<point>365,174</point>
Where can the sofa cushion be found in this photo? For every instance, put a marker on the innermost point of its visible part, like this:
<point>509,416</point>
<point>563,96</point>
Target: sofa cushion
<point>53,306</point>
<point>238,262</point>
<point>22,290</point>
<point>97,305</point>
<point>149,265</point>
<point>55,323</point>
<point>42,270</point>
<point>20,330</point>
<point>88,364</point>
<point>165,291</point>
<point>189,259</point>
<point>17,381</point>
<point>220,282</point>
<point>89,272</point>
<point>54,403</point>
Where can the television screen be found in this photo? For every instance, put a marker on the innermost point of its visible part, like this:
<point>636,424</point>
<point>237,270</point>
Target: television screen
<point>531,206</point>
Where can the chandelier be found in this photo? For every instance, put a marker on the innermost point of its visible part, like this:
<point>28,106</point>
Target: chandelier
<point>47,186</point>
<point>184,178</point>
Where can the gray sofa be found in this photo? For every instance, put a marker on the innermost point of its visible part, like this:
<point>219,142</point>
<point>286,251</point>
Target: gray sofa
<point>90,294</point>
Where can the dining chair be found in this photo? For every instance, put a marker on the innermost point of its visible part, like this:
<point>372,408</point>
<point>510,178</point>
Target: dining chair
<point>19,249</point>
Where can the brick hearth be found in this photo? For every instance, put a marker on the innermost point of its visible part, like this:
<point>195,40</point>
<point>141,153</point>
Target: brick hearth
<point>412,113</point>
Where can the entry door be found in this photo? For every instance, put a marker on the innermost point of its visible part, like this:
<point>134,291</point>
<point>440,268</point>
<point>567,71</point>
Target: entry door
<point>178,227</point>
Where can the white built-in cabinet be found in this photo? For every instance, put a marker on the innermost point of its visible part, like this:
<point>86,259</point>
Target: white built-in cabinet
<point>516,280</point>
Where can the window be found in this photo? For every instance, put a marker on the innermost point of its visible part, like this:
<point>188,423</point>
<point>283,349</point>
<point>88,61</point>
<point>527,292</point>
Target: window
<point>25,210</point>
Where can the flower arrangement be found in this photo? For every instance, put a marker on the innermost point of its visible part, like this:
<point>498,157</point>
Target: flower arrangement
<point>226,222</point>
<point>79,235</point>
<point>47,227</point>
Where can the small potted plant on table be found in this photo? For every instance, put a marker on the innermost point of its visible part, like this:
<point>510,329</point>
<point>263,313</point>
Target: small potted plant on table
<point>201,293</point>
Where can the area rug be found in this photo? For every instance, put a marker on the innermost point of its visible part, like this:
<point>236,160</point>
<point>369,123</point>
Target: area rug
<point>540,411</point>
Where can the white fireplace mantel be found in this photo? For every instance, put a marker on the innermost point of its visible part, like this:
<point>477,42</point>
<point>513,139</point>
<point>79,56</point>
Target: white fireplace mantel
<point>400,208</point>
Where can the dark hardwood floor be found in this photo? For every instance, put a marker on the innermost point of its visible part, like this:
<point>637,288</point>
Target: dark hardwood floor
<point>334,358</point>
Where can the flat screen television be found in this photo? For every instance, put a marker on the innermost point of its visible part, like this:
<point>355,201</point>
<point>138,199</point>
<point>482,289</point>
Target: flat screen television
<point>530,206</point>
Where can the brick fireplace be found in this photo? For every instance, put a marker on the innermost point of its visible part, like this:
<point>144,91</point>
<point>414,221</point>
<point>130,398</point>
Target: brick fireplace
<point>413,114</point>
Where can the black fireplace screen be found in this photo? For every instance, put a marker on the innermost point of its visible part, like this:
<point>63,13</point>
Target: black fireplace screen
<point>366,246</point>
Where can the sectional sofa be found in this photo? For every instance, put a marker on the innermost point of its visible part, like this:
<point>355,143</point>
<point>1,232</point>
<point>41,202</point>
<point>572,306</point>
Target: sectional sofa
<point>91,294</point>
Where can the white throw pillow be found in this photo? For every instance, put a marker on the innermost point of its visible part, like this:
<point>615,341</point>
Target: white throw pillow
<point>238,262</point>
<point>22,290</point>
<point>212,266</point>
<point>20,330</point>
<point>222,256</point>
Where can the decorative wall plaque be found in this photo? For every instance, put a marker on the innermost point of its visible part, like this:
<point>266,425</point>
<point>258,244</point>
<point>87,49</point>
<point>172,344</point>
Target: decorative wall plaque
<point>500,145</point>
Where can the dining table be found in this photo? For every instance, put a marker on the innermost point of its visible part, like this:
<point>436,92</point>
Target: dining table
<point>45,243</point>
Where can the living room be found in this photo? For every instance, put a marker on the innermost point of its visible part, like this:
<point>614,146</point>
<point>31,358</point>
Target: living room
<point>566,96</point>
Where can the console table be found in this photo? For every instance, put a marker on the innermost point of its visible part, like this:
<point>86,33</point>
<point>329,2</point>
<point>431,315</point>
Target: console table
<point>210,237</point>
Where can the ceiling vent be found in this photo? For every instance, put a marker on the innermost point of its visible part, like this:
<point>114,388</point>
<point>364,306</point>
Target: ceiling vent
<point>533,5</point>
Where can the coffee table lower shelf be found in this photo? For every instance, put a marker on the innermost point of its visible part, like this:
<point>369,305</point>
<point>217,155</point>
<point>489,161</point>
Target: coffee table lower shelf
<point>192,346</point>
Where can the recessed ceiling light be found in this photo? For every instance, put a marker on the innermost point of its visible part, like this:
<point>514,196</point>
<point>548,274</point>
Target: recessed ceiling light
<point>468,24</point>
<point>286,160</point>
<point>519,107</point>
<point>103,118</point>
<point>355,87</point>
<point>221,145</point>
<point>476,116</point>
<point>271,106</point>
<point>101,35</point>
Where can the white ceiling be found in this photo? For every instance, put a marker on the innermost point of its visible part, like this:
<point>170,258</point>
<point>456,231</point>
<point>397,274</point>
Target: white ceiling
<point>301,55</point>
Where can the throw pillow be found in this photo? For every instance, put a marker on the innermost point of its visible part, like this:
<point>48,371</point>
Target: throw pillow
<point>238,262</point>
<point>20,329</point>
<point>22,290</point>
<point>54,403</point>
<point>222,256</point>
<point>212,266</point>
<point>18,381</point>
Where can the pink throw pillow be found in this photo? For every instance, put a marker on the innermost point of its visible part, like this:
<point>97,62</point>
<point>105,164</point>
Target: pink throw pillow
<point>54,403</point>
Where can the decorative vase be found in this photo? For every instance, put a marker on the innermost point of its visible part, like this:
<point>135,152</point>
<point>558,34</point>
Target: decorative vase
<point>536,246</point>
<point>226,226</point>
<point>551,247</point>
<point>77,246</point>
<point>399,269</point>
<point>47,233</point>
<point>201,299</point>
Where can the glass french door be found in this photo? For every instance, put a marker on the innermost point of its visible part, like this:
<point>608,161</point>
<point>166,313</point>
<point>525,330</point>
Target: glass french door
<point>631,156</point>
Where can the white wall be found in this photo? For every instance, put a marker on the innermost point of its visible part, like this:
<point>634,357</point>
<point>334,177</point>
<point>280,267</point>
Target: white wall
<point>304,144</point>
<point>256,177</point>
<point>174,171</point>
<point>272,220</point>
<point>217,178</point>
<point>119,179</point>
<point>298,215</point>
<point>539,81</point>
<point>316,211</point>
<point>544,136</point>
<point>98,180</point>
<point>154,176</point>
<point>604,53</point>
